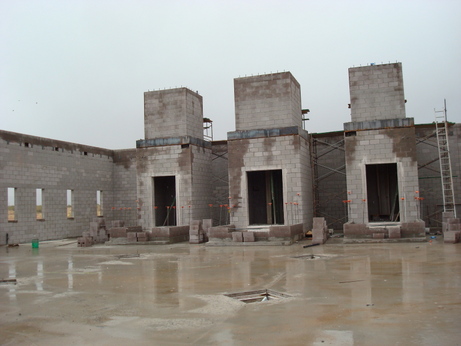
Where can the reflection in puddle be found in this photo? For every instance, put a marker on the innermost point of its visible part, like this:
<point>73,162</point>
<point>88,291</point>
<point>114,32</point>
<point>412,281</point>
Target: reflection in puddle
<point>39,280</point>
<point>12,275</point>
<point>70,276</point>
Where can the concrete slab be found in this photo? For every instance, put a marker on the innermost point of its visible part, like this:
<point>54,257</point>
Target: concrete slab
<point>382,294</point>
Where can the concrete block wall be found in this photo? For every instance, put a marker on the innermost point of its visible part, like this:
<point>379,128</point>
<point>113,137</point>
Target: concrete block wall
<point>377,92</point>
<point>332,190</point>
<point>319,231</point>
<point>267,101</point>
<point>378,147</point>
<point>28,163</point>
<point>291,154</point>
<point>190,165</point>
<point>201,194</point>
<point>172,113</point>
<point>124,205</point>
<point>455,154</point>
<point>159,161</point>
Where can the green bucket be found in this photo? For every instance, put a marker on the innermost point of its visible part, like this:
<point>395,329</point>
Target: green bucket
<point>34,243</point>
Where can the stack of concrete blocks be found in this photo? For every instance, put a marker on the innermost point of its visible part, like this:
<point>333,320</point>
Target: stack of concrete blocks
<point>275,233</point>
<point>135,234</point>
<point>169,234</point>
<point>131,237</point>
<point>287,234</point>
<point>394,232</point>
<point>243,237</point>
<point>269,137</point>
<point>248,237</point>
<point>85,241</point>
<point>319,231</point>
<point>379,233</point>
<point>219,234</point>
<point>98,230</point>
<point>364,231</point>
<point>196,234</point>
<point>173,147</point>
<point>206,225</point>
<point>118,229</point>
<point>142,237</point>
<point>237,236</point>
<point>97,233</point>
<point>380,133</point>
<point>451,228</point>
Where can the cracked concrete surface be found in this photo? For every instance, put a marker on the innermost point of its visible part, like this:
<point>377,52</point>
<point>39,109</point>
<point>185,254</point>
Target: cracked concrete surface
<point>376,294</point>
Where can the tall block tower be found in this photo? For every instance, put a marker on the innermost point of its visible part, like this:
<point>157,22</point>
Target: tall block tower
<point>173,160</point>
<point>381,167</point>
<point>267,101</point>
<point>269,157</point>
<point>173,113</point>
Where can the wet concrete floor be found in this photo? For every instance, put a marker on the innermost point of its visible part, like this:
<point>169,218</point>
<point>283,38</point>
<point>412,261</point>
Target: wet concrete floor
<point>374,294</point>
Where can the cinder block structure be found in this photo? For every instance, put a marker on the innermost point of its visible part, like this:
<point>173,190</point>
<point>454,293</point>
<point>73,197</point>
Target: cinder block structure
<point>378,180</point>
<point>269,155</point>
<point>173,161</point>
<point>381,164</point>
<point>50,188</point>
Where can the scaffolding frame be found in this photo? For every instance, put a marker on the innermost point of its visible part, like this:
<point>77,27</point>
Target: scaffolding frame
<point>221,196</point>
<point>432,216</point>
<point>321,148</point>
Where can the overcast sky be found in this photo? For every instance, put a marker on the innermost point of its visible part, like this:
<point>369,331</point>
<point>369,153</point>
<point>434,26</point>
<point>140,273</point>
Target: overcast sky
<point>76,70</point>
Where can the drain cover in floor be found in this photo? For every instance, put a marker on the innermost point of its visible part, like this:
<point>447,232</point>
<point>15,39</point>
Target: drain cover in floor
<point>257,296</point>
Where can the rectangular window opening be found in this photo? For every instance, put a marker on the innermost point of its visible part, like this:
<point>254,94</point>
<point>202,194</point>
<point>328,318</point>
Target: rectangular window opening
<point>99,208</point>
<point>383,193</point>
<point>265,198</point>
<point>39,209</point>
<point>12,216</point>
<point>70,204</point>
<point>165,201</point>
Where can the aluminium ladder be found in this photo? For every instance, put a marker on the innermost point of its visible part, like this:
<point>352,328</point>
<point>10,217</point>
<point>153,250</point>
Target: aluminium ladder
<point>441,127</point>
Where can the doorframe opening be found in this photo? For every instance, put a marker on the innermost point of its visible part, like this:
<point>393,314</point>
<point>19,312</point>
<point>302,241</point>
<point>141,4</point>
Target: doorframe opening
<point>382,183</point>
<point>164,200</point>
<point>265,197</point>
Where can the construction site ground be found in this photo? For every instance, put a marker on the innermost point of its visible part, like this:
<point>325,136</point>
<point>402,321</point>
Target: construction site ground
<point>183,294</point>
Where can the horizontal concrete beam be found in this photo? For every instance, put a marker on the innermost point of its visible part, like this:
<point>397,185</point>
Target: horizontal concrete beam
<point>159,142</point>
<point>261,133</point>
<point>378,124</point>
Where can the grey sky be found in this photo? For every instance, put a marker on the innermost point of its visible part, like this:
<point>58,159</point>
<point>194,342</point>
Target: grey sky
<point>76,70</point>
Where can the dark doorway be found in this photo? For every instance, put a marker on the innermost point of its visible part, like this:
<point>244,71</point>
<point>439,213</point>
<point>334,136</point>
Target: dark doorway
<point>265,197</point>
<point>165,201</point>
<point>382,192</point>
